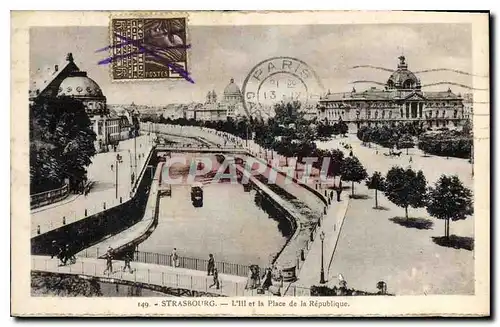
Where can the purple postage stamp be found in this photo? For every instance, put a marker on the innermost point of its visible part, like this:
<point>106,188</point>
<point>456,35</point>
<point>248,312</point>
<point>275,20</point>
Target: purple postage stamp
<point>148,48</point>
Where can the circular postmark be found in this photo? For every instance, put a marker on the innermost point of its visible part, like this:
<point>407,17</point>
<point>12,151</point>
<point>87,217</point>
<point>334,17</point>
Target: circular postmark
<point>279,79</point>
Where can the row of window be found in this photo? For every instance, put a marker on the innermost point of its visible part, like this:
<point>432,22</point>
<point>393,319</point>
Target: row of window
<point>335,105</point>
<point>408,113</point>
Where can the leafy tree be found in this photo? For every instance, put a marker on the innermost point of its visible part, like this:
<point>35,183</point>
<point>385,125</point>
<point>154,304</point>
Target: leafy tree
<point>406,142</point>
<point>405,188</point>
<point>376,182</point>
<point>353,171</point>
<point>61,143</point>
<point>343,128</point>
<point>449,199</point>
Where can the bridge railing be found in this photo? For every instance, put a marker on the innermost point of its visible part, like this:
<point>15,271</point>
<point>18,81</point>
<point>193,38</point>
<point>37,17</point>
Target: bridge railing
<point>226,268</point>
<point>143,276</point>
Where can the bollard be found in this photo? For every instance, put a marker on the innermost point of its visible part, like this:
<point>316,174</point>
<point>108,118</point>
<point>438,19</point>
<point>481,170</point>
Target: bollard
<point>311,236</point>
<point>85,212</point>
<point>302,255</point>
<point>64,220</point>
<point>120,199</point>
<point>38,229</point>
<point>316,186</point>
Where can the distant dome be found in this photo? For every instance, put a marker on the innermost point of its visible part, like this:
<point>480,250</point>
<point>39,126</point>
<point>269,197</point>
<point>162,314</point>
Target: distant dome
<point>232,90</point>
<point>402,78</point>
<point>80,86</point>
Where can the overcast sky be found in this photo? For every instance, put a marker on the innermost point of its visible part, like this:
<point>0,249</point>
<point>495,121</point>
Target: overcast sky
<point>219,53</point>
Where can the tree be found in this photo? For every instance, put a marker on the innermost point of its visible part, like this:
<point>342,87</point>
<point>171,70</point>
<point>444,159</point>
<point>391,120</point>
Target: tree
<point>405,188</point>
<point>353,171</point>
<point>406,142</point>
<point>343,129</point>
<point>376,182</point>
<point>449,199</point>
<point>61,143</point>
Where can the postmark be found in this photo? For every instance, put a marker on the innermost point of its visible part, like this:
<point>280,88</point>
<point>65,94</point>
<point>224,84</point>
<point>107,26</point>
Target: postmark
<point>148,48</point>
<point>279,79</point>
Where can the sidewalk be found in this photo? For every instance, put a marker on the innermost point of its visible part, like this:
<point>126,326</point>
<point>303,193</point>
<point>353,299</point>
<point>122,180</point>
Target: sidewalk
<point>159,275</point>
<point>331,225</point>
<point>103,191</point>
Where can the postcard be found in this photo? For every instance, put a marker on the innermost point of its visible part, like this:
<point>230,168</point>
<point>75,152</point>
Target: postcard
<point>291,164</point>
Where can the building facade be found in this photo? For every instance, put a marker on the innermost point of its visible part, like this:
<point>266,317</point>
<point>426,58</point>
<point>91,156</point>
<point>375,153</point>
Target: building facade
<point>402,100</point>
<point>230,105</point>
<point>67,80</point>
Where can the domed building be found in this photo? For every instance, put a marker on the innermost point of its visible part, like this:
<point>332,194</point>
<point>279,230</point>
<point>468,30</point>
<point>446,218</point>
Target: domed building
<point>232,93</point>
<point>231,105</point>
<point>67,80</point>
<point>401,100</point>
<point>77,85</point>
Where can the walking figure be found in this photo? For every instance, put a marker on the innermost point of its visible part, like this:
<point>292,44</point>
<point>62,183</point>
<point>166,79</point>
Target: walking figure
<point>175,258</point>
<point>128,259</point>
<point>411,159</point>
<point>109,262</point>
<point>216,279</point>
<point>111,167</point>
<point>54,250</point>
<point>210,265</point>
<point>68,255</point>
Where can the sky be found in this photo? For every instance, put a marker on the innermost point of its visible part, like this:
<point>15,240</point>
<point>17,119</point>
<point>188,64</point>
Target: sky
<point>219,53</point>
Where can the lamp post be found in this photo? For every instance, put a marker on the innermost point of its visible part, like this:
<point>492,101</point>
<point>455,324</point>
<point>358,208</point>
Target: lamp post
<point>118,161</point>
<point>322,273</point>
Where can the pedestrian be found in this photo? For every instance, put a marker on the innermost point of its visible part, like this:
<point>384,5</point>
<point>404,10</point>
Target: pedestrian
<point>411,159</point>
<point>339,191</point>
<point>109,262</point>
<point>175,258</point>
<point>210,265</point>
<point>69,255</point>
<point>267,279</point>
<point>54,249</point>
<point>61,255</point>
<point>128,259</point>
<point>111,167</point>
<point>216,279</point>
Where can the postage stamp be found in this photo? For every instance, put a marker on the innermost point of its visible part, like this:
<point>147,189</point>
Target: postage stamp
<point>252,164</point>
<point>148,48</point>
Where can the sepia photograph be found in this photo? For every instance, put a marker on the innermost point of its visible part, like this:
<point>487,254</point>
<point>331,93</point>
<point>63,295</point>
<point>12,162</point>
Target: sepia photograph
<point>189,161</point>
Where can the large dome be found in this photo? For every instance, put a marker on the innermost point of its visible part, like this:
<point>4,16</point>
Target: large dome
<point>80,86</point>
<point>232,89</point>
<point>402,78</point>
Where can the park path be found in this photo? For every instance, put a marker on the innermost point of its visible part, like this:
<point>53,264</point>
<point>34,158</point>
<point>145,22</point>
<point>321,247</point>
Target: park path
<point>376,245</point>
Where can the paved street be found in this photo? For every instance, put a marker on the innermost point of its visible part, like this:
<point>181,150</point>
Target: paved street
<point>103,190</point>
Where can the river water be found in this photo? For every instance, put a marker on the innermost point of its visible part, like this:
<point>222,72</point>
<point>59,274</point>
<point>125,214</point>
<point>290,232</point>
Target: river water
<point>231,225</point>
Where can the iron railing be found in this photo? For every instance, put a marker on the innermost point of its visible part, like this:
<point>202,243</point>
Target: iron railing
<point>227,268</point>
<point>48,197</point>
<point>168,279</point>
